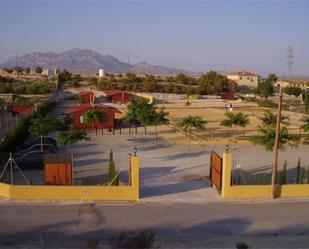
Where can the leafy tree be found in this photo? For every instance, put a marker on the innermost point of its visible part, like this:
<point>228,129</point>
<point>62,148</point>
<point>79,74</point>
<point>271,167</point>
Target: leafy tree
<point>70,137</point>
<point>131,78</point>
<point>18,69</point>
<point>8,70</point>
<point>27,70</point>
<point>272,78</point>
<point>140,111</point>
<point>305,125</point>
<point>184,79</point>
<point>64,76</point>
<point>93,115</point>
<point>295,91</point>
<point>133,108</point>
<point>213,83</point>
<point>113,178</point>
<point>235,119</point>
<point>40,126</point>
<point>38,69</point>
<point>150,85</point>
<point>266,87</point>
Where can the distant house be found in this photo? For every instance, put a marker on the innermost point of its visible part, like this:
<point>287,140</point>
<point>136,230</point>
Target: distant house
<point>304,85</point>
<point>75,116</point>
<point>87,97</point>
<point>22,109</point>
<point>119,97</point>
<point>244,78</point>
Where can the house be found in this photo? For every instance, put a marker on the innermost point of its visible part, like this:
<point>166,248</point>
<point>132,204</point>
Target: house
<point>304,85</point>
<point>244,78</point>
<point>86,97</point>
<point>227,95</point>
<point>22,109</point>
<point>75,116</point>
<point>119,97</point>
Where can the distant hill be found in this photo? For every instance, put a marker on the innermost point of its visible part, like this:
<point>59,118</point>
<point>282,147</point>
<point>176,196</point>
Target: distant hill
<point>86,60</point>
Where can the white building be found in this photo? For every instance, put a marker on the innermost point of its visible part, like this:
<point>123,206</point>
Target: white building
<point>101,73</point>
<point>243,78</point>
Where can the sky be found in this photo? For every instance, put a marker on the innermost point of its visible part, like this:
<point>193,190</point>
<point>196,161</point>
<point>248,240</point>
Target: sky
<point>193,35</point>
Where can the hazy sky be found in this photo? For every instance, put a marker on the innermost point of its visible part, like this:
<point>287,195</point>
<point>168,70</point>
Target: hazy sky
<point>195,35</point>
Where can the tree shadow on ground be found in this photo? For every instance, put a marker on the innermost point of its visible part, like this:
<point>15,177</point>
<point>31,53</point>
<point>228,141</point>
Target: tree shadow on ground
<point>154,171</point>
<point>82,145</point>
<point>84,162</point>
<point>88,153</point>
<point>182,155</point>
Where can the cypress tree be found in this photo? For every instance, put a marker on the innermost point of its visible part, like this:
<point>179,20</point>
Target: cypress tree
<point>298,171</point>
<point>112,171</point>
<point>283,173</point>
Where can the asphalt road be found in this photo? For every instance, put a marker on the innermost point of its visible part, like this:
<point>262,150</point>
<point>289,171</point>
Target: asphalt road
<point>175,225</point>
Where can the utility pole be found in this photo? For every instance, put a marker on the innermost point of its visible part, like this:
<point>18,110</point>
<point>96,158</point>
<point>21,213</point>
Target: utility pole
<point>276,147</point>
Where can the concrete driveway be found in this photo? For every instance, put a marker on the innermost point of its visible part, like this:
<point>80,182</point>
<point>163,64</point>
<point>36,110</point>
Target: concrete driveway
<point>168,172</point>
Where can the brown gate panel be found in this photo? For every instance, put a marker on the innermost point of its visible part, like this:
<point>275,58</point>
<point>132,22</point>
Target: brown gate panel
<point>216,170</point>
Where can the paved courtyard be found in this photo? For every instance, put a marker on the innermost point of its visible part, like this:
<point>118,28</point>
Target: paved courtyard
<point>169,172</point>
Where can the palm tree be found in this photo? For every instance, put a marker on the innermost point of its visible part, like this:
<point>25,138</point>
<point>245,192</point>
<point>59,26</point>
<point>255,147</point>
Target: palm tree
<point>191,122</point>
<point>94,115</point>
<point>270,119</point>
<point>70,137</point>
<point>235,119</point>
<point>40,126</point>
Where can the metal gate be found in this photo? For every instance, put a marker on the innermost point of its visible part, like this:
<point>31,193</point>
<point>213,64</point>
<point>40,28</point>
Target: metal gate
<point>216,170</point>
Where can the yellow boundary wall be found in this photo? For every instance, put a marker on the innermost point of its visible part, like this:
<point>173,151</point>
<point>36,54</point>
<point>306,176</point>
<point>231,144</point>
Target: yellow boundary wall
<point>256,191</point>
<point>106,193</point>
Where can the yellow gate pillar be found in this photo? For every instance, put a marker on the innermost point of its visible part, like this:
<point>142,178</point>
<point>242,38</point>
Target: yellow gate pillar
<point>227,164</point>
<point>134,176</point>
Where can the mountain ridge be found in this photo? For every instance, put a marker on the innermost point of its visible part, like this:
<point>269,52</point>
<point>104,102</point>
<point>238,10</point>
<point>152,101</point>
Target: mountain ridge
<point>86,60</point>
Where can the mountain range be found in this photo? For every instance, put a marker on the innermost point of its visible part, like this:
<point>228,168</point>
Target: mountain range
<point>86,60</point>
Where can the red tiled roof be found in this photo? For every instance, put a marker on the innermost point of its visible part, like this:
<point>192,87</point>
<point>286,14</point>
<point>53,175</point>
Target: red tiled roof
<point>243,73</point>
<point>114,92</point>
<point>90,106</point>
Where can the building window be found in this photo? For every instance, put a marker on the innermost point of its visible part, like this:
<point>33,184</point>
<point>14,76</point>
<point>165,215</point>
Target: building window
<point>81,119</point>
